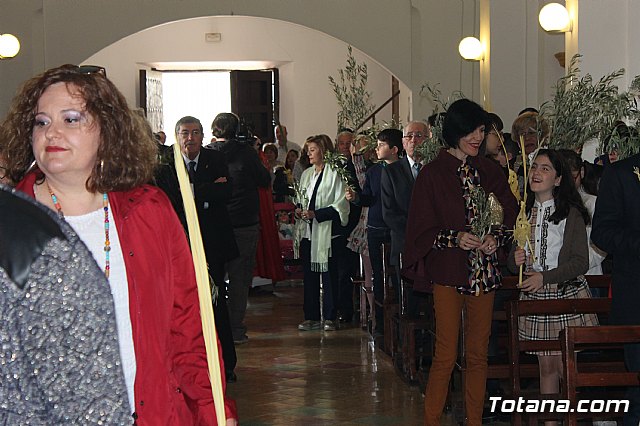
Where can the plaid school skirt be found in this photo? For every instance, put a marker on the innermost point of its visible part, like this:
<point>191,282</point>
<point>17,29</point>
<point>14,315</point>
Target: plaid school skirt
<point>547,327</point>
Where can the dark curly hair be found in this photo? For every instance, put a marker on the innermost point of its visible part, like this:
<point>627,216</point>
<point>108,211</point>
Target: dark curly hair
<point>127,155</point>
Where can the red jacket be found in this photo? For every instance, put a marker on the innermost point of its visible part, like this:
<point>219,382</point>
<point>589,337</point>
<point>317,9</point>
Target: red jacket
<point>172,384</point>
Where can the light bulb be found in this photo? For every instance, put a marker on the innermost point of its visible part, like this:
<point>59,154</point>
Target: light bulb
<point>471,49</point>
<point>9,46</point>
<point>554,17</point>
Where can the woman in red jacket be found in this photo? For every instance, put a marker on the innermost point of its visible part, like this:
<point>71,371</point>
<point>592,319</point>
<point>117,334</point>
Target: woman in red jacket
<point>93,156</point>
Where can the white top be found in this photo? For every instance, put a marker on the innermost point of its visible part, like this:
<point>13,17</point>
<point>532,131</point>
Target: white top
<point>596,256</point>
<point>548,237</point>
<point>312,185</point>
<point>90,229</point>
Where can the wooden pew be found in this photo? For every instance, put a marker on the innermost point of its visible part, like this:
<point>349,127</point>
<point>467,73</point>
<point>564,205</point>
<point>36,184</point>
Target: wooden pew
<point>500,366</point>
<point>414,351</point>
<point>578,374</point>
<point>390,305</point>
<point>528,363</point>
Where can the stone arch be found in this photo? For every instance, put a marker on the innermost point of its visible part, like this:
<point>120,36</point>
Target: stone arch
<point>304,56</point>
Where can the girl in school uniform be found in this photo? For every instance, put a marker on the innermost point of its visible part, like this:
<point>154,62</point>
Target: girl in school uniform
<point>555,258</point>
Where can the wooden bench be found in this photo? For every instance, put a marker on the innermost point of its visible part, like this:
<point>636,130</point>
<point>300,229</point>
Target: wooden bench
<point>524,366</point>
<point>579,374</point>
<point>416,336</point>
<point>499,365</point>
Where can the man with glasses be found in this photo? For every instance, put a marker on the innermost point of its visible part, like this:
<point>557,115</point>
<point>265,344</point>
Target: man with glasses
<point>396,186</point>
<point>209,177</point>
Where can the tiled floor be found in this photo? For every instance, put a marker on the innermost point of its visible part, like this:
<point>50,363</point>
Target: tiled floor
<point>290,377</point>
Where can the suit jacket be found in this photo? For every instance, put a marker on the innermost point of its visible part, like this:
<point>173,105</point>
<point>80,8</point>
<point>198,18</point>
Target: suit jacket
<point>616,230</point>
<point>211,202</point>
<point>396,186</point>
<point>247,175</point>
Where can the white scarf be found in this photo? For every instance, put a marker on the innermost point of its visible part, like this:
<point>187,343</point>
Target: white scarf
<point>330,193</point>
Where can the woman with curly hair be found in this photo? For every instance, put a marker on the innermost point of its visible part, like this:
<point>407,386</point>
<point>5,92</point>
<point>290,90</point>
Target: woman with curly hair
<point>71,142</point>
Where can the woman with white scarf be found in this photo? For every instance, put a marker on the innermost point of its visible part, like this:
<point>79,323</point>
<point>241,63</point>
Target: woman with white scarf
<point>327,210</point>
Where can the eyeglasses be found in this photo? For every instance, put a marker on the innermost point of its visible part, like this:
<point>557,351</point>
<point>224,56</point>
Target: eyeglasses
<point>416,135</point>
<point>91,69</point>
<point>185,133</point>
<point>529,133</point>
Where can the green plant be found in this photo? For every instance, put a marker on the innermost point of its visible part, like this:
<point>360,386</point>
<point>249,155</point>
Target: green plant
<point>372,133</point>
<point>582,110</point>
<point>350,89</point>
<point>429,149</point>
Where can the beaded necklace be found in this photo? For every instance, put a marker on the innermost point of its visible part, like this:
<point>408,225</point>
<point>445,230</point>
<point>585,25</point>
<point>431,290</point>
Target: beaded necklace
<point>105,207</point>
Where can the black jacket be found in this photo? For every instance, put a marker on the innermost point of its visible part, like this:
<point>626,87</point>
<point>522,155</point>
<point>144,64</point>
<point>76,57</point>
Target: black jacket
<point>247,174</point>
<point>616,230</point>
<point>211,202</point>
<point>396,186</point>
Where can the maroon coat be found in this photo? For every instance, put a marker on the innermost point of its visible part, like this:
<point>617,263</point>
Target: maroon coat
<point>172,384</point>
<point>437,204</point>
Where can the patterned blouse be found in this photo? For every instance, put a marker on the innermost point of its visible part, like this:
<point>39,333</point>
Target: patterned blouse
<point>546,238</point>
<point>483,272</point>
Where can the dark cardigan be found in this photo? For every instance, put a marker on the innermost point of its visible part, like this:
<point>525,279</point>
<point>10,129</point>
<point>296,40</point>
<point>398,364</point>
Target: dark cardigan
<point>437,203</point>
<point>573,259</point>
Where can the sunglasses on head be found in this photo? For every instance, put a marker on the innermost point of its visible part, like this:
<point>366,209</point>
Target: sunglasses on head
<point>91,69</point>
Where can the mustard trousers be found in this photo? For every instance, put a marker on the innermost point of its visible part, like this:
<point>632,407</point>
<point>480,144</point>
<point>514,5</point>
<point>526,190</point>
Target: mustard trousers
<point>448,305</point>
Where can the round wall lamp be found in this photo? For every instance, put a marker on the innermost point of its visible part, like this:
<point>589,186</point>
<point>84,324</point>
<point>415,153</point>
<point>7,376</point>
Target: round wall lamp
<point>554,18</point>
<point>470,48</point>
<point>9,46</point>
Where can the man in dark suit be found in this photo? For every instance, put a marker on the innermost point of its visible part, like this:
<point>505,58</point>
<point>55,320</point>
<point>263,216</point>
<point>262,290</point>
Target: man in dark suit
<point>616,230</point>
<point>396,186</point>
<point>208,174</point>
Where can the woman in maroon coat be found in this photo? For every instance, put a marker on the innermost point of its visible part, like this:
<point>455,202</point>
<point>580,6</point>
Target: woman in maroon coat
<point>442,254</point>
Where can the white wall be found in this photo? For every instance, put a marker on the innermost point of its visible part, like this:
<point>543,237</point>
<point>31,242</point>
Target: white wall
<point>525,76</point>
<point>307,104</point>
<point>416,40</point>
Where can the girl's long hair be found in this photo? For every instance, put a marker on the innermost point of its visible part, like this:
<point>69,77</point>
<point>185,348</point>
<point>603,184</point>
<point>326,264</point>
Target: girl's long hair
<point>565,195</point>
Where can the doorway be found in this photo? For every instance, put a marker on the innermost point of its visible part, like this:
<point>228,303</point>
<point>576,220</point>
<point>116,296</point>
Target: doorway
<point>168,95</point>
